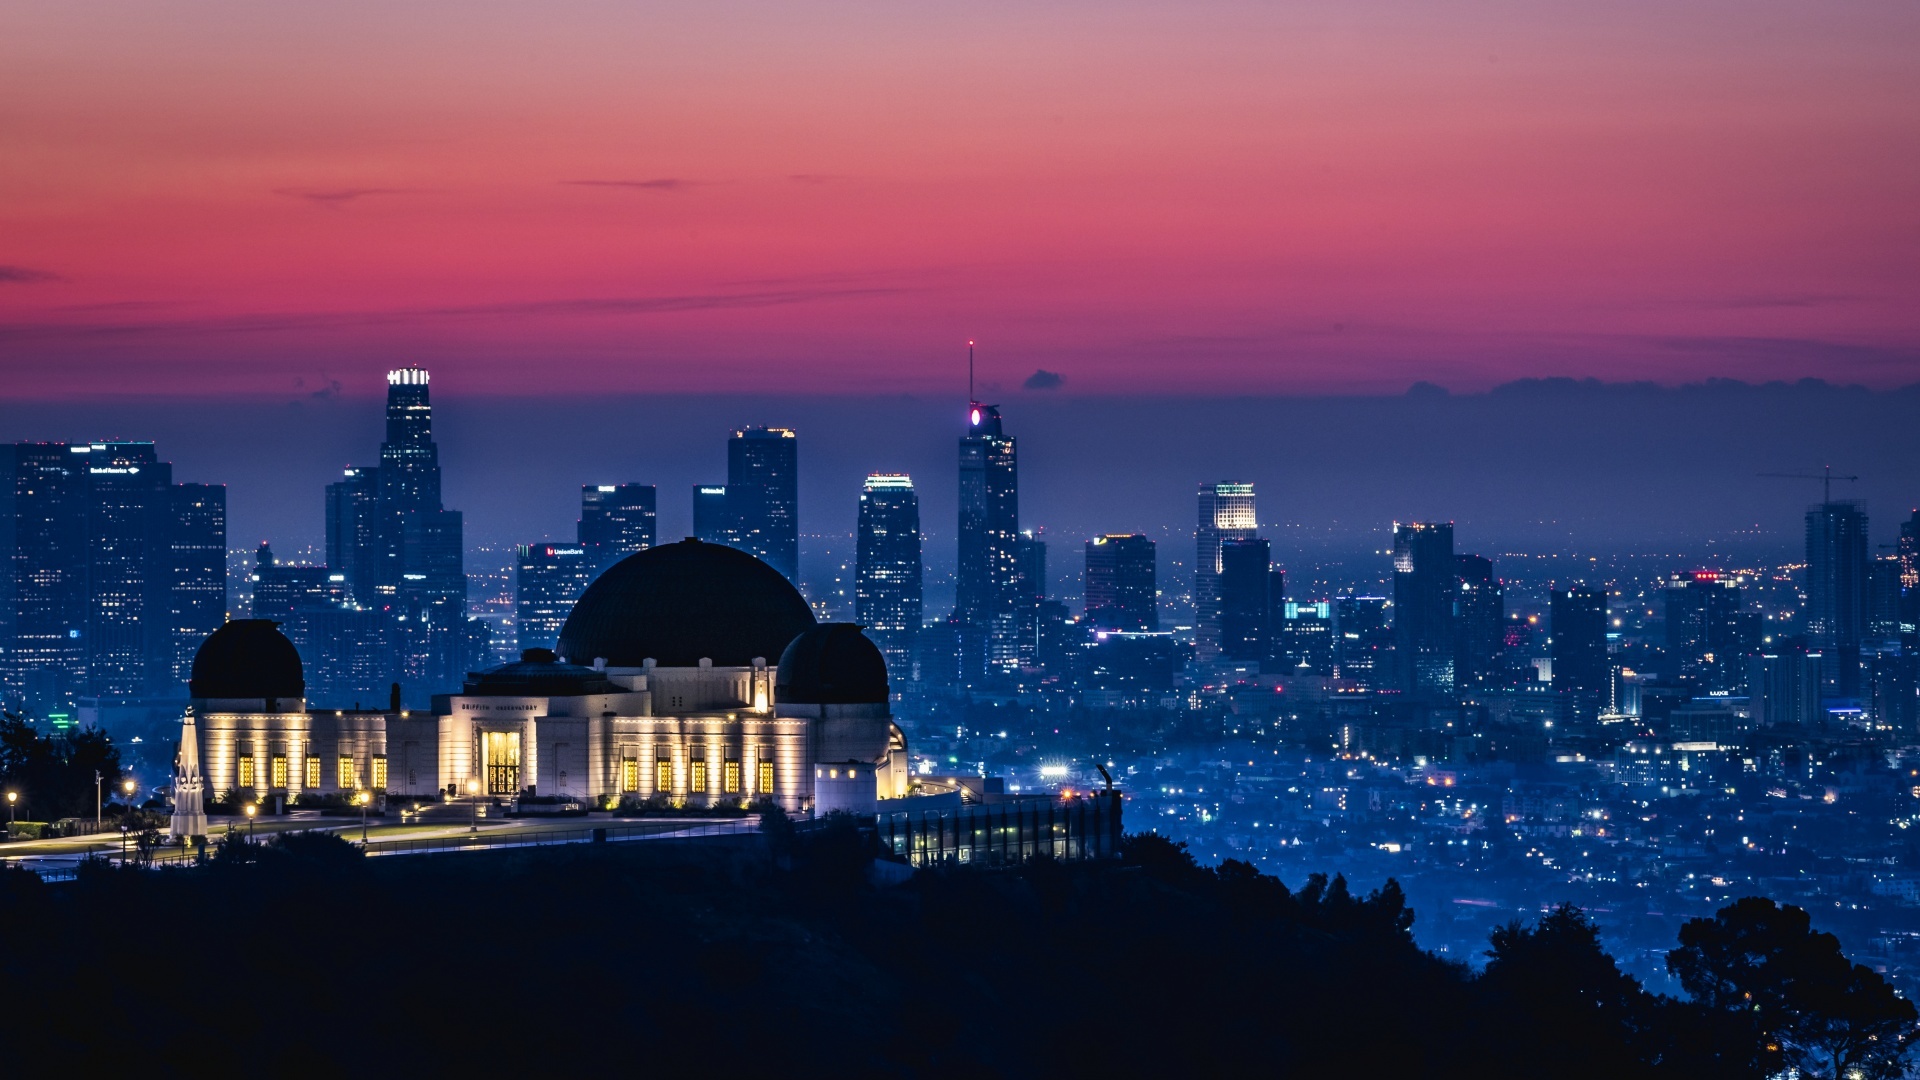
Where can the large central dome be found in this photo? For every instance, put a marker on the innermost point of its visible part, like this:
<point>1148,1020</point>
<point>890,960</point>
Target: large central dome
<point>678,604</point>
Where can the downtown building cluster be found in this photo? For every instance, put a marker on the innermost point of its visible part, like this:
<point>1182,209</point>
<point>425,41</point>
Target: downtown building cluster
<point>113,574</point>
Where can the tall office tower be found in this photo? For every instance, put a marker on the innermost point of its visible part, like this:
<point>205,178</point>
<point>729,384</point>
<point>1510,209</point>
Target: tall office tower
<point>616,520</point>
<point>988,583</point>
<point>763,495</point>
<point>353,527</point>
<point>1478,634</point>
<point>1424,588</point>
<point>549,579</point>
<point>1884,599</point>
<point>1244,604</point>
<point>1226,513</point>
<point>1708,635</point>
<point>43,573</point>
<point>1303,639</point>
<point>1030,558</point>
<point>284,592</point>
<point>887,569</point>
<point>1363,649</point>
<point>1837,590</point>
<point>711,522</point>
<point>127,570</point>
<point>197,538</point>
<point>1784,688</point>
<point>1579,647</point>
<point>1121,589</point>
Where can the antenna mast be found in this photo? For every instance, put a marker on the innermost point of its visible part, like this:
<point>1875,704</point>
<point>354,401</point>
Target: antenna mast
<point>970,397</point>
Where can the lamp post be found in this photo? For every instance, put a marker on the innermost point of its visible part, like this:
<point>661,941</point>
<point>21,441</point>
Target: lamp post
<point>364,798</point>
<point>473,803</point>
<point>12,797</point>
<point>251,810</point>
<point>126,820</point>
<point>96,799</point>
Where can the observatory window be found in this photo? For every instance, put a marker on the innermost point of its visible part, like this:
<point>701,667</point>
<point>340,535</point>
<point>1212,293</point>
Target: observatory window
<point>731,780</point>
<point>246,772</point>
<point>349,775</point>
<point>629,774</point>
<point>766,777</point>
<point>663,775</point>
<point>313,771</point>
<point>380,771</point>
<point>278,777</point>
<point>699,775</point>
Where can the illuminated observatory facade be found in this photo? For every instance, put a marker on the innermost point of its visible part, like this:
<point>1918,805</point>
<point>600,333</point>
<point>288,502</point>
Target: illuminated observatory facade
<point>691,674</point>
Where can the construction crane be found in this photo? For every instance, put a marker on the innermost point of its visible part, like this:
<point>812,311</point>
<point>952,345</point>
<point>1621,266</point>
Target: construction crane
<point>1825,476</point>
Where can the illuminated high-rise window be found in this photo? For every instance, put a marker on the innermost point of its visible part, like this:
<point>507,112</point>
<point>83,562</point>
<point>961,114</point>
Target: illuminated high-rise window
<point>699,782</point>
<point>313,771</point>
<point>246,771</point>
<point>663,775</point>
<point>279,773</point>
<point>730,780</point>
<point>380,771</point>
<point>766,777</point>
<point>349,776</point>
<point>629,774</point>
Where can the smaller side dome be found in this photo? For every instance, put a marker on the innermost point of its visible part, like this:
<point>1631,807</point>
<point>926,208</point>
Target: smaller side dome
<point>247,658</point>
<point>831,664</point>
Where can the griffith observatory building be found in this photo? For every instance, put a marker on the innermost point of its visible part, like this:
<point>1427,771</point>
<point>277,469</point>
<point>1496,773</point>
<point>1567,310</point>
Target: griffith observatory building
<point>689,673</point>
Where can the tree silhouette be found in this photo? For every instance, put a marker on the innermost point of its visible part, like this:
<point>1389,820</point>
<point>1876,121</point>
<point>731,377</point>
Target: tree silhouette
<point>1802,1001</point>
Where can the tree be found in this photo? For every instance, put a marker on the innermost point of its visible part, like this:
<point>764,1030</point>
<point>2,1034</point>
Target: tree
<point>1560,997</point>
<point>54,774</point>
<point>1804,1002</point>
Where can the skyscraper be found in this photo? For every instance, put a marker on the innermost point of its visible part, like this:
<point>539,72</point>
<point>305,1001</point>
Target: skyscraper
<point>353,549</point>
<point>1425,582</point>
<point>616,520</point>
<point>197,597</point>
<point>1121,592</point>
<point>1837,590</point>
<point>43,572</point>
<point>1244,595</point>
<point>1364,642</point>
<point>548,579</point>
<point>887,569</point>
<point>1226,513</point>
<point>1481,623</point>
<point>987,587</point>
<point>1708,636</point>
<point>1578,630</point>
<point>128,563</point>
<point>711,523</point>
<point>402,553</point>
<point>763,495</point>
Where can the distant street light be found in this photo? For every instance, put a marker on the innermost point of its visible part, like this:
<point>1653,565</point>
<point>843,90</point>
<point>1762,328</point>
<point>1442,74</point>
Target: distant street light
<point>251,810</point>
<point>364,798</point>
<point>12,797</point>
<point>96,798</point>
<point>473,802</point>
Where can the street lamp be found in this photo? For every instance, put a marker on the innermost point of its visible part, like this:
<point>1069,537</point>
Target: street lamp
<point>473,802</point>
<point>251,810</point>
<point>12,797</point>
<point>364,798</point>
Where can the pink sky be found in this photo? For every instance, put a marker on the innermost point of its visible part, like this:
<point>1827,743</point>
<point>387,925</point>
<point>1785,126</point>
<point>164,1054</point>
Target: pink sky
<point>1186,197</point>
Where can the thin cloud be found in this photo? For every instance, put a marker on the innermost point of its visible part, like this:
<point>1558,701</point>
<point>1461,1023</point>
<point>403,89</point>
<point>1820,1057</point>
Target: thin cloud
<point>325,320</point>
<point>664,183</point>
<point>814,178</point>
<point>21,275</point>
<point>1042,379</point>
<point>338,196</point>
